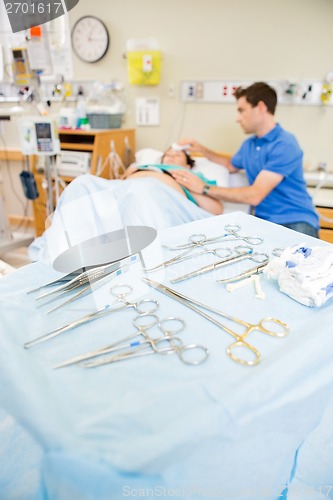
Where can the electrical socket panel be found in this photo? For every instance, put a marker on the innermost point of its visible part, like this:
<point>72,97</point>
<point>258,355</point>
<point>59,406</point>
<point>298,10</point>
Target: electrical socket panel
<point>304,92</point>
<point>209,91</point>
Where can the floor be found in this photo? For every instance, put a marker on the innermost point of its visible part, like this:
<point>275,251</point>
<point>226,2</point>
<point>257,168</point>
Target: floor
<point>13,259</point>
<point>16,258</point>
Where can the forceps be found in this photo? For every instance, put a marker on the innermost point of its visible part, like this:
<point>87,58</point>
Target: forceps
<point>120,291</point>
<point>75,278</point>
<point>89,288</point>
<point>232,230</point>
<point>171,345</point>
<point>88,276</point>
<point>92,280</point>
<point>243,251</point>
<point>239,342</point>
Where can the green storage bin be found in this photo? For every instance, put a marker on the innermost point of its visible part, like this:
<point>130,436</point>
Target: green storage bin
<point>104,120</point>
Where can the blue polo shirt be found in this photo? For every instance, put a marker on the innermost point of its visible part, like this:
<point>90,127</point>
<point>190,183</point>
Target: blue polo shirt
<point>278,151</point>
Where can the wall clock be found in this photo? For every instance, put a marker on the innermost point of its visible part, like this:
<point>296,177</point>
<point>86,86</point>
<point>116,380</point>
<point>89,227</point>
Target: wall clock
<point>90,39</point>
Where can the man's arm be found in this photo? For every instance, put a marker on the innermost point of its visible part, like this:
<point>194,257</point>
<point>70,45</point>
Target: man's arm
<point>214,206</point>
<point>220,158</point>
<point>264,183</point>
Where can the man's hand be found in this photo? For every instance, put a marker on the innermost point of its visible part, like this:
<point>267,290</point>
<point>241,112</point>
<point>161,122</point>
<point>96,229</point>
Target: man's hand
<point>193,145</point>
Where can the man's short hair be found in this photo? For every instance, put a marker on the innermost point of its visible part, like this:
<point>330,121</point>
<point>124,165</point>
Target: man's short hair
<point>256,92</point>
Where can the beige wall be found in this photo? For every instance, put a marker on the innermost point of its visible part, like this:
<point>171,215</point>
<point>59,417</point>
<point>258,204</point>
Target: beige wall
<point>214,39</point>
<point>220,39</point>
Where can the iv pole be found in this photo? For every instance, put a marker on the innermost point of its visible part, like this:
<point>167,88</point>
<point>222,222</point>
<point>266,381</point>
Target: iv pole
<point>7,241</point>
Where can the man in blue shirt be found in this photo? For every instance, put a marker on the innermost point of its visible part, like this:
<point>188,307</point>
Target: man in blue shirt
<point>272,160</point>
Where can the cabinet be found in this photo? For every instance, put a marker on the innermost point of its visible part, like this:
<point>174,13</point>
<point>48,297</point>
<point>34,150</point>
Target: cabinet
<point>98,143</point>
<point>326,228</point>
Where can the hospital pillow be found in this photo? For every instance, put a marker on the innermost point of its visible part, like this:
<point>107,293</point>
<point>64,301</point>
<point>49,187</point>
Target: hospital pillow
<point>213,171</point>
<point>147,155</point>
<point>209,169</point>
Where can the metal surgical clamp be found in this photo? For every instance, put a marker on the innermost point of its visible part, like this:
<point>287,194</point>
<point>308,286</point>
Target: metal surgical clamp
<point>140,322</point>
<point>219,252</point>
<point>239,342</point>
<point>168,344</point>
<point>250,272</point>
<point>232,230</point>
<point>255,257</point>
<point>121,298</point>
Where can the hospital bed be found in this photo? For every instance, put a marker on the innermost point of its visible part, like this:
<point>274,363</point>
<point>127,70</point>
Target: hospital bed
<point>153,426</point>
<point>97,206</point>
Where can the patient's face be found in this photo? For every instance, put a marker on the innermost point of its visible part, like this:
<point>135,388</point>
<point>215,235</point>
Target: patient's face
<point>172,157</point>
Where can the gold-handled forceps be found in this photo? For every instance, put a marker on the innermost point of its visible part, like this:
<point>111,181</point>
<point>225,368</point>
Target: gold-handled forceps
<point>119,291</point>
<point>242,251</point>
<point>231,230</point>
<point>282,328</point>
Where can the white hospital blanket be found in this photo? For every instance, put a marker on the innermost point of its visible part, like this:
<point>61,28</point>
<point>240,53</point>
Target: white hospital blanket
<point>91,206</point>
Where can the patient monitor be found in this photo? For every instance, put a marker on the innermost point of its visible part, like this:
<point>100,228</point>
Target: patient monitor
<point>38,137</point>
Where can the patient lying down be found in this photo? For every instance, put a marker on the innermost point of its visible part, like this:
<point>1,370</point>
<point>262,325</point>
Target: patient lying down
<point>176,160</point>
<point>148,195</point>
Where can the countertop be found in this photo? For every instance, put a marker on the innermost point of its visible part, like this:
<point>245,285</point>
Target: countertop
<point>323,197</point>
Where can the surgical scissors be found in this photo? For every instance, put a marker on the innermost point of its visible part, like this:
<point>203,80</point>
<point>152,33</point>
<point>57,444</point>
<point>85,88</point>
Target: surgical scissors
<point>123,291</point>
<point>243,251</point>
<point>173,345</point>
<point>239,342</point>
<point>232,230</point>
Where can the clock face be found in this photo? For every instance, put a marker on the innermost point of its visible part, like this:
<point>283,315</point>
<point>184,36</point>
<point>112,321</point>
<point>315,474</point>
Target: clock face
<point>90,39</point>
